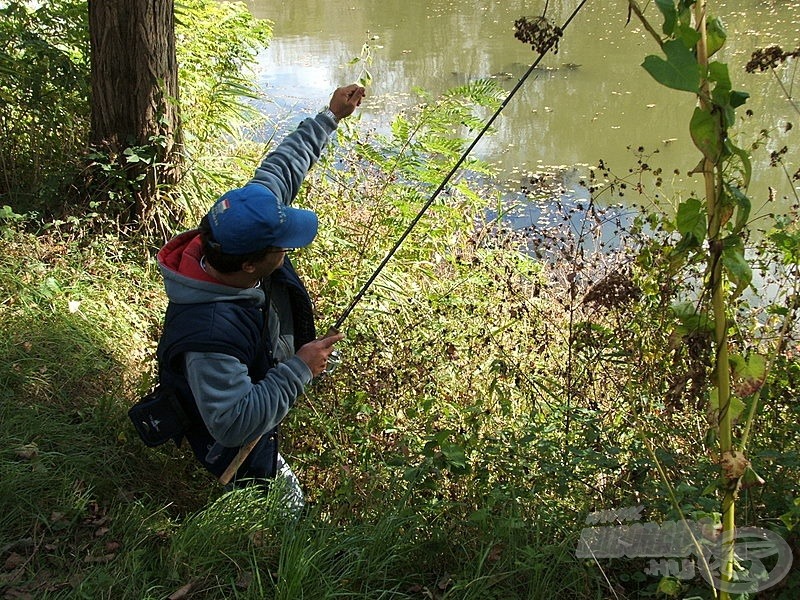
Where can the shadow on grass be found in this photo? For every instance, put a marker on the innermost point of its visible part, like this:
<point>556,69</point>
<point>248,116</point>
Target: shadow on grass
<point>64,403</point>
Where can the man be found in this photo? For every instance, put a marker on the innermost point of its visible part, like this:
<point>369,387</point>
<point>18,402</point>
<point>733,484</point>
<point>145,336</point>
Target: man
<point>239,344</point>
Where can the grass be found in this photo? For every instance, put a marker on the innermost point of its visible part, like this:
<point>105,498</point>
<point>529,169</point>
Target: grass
<point>483,409</point>
<point>88,512</point>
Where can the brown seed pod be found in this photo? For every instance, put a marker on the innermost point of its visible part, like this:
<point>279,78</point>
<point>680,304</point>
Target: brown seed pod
<point>538,32</point>
<point>769,58</point>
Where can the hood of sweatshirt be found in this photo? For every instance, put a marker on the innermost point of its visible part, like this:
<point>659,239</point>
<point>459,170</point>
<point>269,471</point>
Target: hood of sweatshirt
<point>186,282</point>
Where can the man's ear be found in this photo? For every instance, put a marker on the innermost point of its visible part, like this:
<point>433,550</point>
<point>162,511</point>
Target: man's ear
<point>249,267</point>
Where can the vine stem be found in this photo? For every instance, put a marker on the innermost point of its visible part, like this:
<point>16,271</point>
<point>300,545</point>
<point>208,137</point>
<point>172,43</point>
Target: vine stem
<point>711,172</point>
<point>701,554</point>
<point>634,6</point>
<point>786,92</point>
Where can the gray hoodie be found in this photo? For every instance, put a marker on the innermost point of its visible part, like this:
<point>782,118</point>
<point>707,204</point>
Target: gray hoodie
<point>236,409</point>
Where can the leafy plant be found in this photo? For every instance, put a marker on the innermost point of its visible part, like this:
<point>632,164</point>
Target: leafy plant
<point>44,115</point>
<point>715,228</point>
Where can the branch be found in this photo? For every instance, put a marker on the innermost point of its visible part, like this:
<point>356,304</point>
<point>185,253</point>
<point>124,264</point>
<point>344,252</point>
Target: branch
<point>634,6</point>
<point>786,92</point>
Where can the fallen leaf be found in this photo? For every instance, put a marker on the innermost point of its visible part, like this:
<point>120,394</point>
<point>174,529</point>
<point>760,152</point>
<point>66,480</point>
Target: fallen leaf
<point>13,561</point>
<point>181,593</point>
<point>244,580</point>
<point>15,594</point>
<point>106,558</point>
<point>420,589</point>
<point>27,452</point>
<point>495,553</point>
<point>98,521</point>
<point>258,538</point>
<point>444,582</point>
<point>100,532</point>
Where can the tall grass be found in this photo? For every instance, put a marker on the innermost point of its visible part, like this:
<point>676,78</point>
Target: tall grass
<point>435,460</point>
<point>89,512</point>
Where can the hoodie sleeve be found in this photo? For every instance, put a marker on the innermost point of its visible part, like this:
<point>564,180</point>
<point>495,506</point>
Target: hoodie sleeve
<point>234,409</point>
<point>284,169</point>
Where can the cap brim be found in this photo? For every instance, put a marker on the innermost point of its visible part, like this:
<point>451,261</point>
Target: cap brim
<point>252,218</point>
<point>299,229</point>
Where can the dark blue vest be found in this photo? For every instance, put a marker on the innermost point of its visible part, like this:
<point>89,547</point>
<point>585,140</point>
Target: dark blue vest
<point>236,328</point>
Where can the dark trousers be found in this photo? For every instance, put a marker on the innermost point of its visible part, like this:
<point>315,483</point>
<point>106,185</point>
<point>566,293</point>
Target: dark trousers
<point>260,465</point>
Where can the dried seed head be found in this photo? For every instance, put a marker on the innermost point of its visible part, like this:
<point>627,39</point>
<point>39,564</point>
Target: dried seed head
<point>538,32</point>
<point>617,289</point>
<point>768,58</point>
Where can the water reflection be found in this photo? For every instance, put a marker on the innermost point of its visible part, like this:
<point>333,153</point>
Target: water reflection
<point>591,101</point>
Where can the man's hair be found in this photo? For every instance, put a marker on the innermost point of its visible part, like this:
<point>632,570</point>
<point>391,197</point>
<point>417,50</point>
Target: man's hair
<point>225,263</point>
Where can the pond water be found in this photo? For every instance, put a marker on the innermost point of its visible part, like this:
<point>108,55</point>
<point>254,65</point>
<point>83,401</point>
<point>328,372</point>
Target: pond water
<point>591,101</point>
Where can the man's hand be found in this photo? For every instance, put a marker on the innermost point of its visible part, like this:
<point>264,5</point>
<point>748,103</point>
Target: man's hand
<point>315,354</point>
<point>345,100</point>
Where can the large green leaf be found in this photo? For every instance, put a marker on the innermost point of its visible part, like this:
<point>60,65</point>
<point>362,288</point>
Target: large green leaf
<point>719,74</point>
<point>735,264</point>
<point>691,219</point>
<point>667,8</point>
<point>738,98</point>
<point>715,35</point>
<point>786,237</point>
<point>688,35</point>
<point>735,406</point>
<point>749,373</point>
<point>706,133</point>
<point>742,203</point>
<point>679,71</point>
<point>690,320</point>
<point>722,95</point>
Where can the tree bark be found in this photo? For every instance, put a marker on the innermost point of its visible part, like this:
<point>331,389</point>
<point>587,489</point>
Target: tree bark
<point>134,97</point>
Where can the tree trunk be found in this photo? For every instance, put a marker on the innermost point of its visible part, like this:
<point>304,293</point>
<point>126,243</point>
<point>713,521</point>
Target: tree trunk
<point>134,101</point>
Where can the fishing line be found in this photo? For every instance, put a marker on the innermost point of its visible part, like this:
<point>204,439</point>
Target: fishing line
<point>335,358</point>
<point>357,298</point>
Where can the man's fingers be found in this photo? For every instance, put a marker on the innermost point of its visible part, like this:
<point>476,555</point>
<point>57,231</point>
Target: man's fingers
<point>345,100</point>
<point>358,94</point>
<point>330,340</point>
<point>352,89</point>
<point>353,93</point>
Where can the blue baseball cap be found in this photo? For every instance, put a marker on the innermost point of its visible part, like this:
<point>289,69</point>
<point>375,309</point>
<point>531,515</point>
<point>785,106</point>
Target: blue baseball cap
<point>251,218</point>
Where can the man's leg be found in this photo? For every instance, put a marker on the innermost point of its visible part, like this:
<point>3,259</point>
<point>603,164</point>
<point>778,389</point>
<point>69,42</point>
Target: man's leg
<point>293,494</point>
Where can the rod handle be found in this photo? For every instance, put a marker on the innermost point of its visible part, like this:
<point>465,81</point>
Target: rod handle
<point>237,461</point>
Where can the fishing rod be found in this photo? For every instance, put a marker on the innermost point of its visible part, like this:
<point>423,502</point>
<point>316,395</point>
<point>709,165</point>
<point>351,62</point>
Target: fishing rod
<point>334,360</point>
<point>357,298</point>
